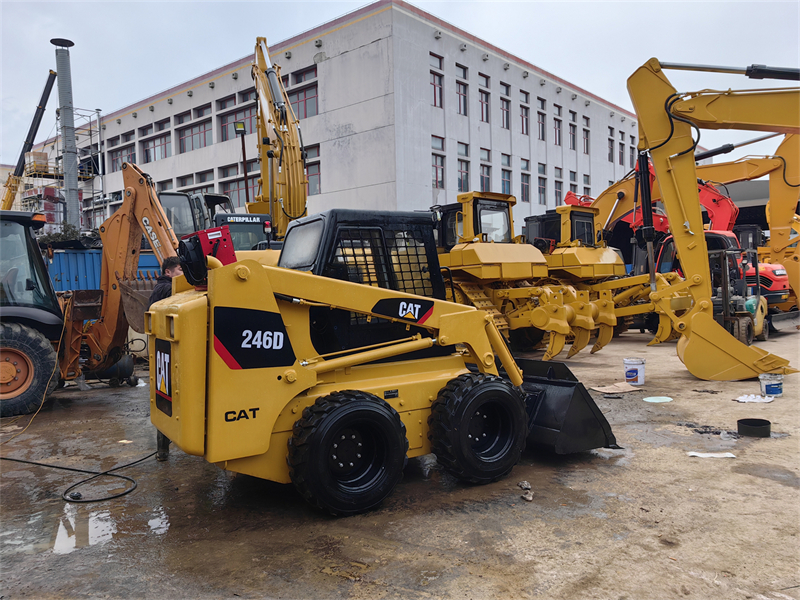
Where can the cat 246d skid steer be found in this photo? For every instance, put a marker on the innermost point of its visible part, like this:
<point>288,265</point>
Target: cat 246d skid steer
<point>333,368</point>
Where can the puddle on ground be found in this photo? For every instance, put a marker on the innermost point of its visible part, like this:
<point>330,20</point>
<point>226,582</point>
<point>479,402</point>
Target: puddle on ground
<point>780,474</point>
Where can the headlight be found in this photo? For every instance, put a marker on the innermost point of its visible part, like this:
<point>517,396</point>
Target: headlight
<point>780,271</point>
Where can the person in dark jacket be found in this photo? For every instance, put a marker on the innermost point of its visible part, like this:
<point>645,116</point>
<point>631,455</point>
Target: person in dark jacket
<point>171,267</point>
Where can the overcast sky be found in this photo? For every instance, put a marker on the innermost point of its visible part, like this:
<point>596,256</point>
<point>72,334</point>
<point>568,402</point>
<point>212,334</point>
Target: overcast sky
<point>127,51</point>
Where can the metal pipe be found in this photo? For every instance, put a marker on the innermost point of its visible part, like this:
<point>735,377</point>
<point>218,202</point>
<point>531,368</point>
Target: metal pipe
<point>70,154</point>
<point>753,71</point>
<point>499,346</point>
<point>371,355</point>
<point>620,196</point>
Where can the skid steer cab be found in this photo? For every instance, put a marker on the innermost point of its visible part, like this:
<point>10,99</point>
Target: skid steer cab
<point>332,369</point>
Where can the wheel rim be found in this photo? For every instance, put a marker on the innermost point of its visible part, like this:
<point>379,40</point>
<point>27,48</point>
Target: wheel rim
<point>490,431</point>
<point>16,373</point>
<point>356,457</point>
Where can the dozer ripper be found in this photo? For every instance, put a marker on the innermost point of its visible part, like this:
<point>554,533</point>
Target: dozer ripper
<point>333,368</point>
<point>529,295</point>
<point>666,119</point>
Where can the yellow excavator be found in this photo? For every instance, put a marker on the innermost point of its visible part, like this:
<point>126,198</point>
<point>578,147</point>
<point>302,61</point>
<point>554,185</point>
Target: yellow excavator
<point>283,191</point>
<point>666,121</point>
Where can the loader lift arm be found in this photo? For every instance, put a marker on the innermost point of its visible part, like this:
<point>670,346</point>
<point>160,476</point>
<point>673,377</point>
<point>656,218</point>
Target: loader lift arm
<point>280,148</point>
<point>666,119</point>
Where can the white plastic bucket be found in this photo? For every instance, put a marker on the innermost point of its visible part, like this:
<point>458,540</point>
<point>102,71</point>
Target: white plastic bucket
<point>634,370</point>
<point>771,384</point>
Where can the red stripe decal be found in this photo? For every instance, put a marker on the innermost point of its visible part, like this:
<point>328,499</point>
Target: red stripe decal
<point>425,316</point>
<point>225,355</point>
<point>163,395</point>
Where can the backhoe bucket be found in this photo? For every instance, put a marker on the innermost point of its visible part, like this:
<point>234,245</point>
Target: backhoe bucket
<point>785,321</point>
<point>711,353</point>
<point>135,296</point>
<point>562,416</point>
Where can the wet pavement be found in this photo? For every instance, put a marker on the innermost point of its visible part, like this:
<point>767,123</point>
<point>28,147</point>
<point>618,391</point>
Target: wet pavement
<point>645,521</point>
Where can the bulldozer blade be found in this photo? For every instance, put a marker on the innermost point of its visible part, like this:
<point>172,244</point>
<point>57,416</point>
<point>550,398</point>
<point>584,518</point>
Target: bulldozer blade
<point>556,345</point>
<point>135,296</point>
<point>562,416</point>
<point>664,331</point>
<point>604,335</point>
<point>711,353</point>
<point>785,321</point>
<point>581,340</point>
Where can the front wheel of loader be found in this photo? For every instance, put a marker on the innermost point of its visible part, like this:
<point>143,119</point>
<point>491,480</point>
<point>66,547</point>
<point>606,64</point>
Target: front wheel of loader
<point>478,427</point>
<point>347,452</point>
<point>27,369</point>
<point>745,330</point>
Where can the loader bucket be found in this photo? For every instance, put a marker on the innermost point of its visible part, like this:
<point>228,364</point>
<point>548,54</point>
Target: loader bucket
<point>711,353</point>
<point>562,416</point>
<point>135,294</point>
<point>786,321</point>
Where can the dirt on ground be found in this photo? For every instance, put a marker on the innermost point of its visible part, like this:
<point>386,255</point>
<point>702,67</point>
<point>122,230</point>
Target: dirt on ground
<point>645,521</point>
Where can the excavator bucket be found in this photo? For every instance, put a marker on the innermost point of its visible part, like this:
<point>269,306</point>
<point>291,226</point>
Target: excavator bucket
<point>135,296</point>
<point>709,352</point>
<point>562,416</point>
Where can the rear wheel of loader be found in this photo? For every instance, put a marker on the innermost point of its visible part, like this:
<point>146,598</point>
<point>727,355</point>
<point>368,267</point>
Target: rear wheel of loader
<point>764,335</point>
<point>347,452</point>
<point>746,330</point>
<point>478,427</point>
<point>27,365</point>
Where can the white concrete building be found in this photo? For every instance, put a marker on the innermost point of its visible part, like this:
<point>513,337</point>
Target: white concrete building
<point>400,111</point>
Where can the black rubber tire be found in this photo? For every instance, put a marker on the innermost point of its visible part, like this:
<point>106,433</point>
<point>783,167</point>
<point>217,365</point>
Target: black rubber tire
<point>132,381</point>
<point>478,407</point>
<point>746,332</point>
<point>764,335</point>
<point>347,453</point>
<point>43,359</point>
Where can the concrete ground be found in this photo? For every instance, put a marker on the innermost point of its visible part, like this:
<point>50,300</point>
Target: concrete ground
<point>644,522</point>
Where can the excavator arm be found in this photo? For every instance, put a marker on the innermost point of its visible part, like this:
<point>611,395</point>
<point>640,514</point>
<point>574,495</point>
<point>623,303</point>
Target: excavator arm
<point>121,234</point>
<point>708,351</point>
<point>280,148</point>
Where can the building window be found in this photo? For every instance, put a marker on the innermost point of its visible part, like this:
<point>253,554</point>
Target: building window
<point>573,116</point>
<point>285,81</point>
<point>463,149</point>
<point>314,182</point>
<point>183,118</point>
<point>436,84</point>
<point>463,175</point>
<point>557,131</point>
<point>542,124</point>
<point>201,112</point>
<point>206,189</point>
<point>486,155</point>
<point>197,136</point>
<point>559,193</point>
<point>437,143</point>
<point>305,75</point>
<point>505,160</point>
<point>586,141</point>
<point>247,96</point>
<point>587,191</point>
<point>120,156</point>
<point>586,121</point>
<point>541,104</point>
<point>587,180</point>
<point>461,92</point>
<point>162,125</point>
<point>185,180</point>
<point>631,157</point>
<point>484,100</point>
<point>165,186</point>
<point>486,178</point>
<point>621,154</point>
<point>506,181</point>
<point>611,151</point>
<point>205,176</point>
<point>557,110</point>
<point>228,102</point>
<point>524,113</point>
<point>304,102</point>
<point>127,137</point>
<point>113,142</point>
<point>436,61</point>
<point>524,97</point>
<point>610,132</point>
<point>621,136</point>
<point>157,148</point>
<point>633,141</point>
<point>146,130</point>
<point>525,187</point>
<point>505,89</point>
<point>229,171</point>
<point>505,109</point>
<point>542,190</point>
<point>573,188</point>
<point>573,137</point>
<point>526,164</point>
<point>461,71</point>
<point>557,172</point>
<point>235,190</point>
<point>248,115</point>
<point>483,80</point>
<point>542,169</point>
<point>438,171</point>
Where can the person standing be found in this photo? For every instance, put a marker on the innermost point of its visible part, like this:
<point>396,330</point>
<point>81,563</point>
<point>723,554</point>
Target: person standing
<point>171,267</point>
